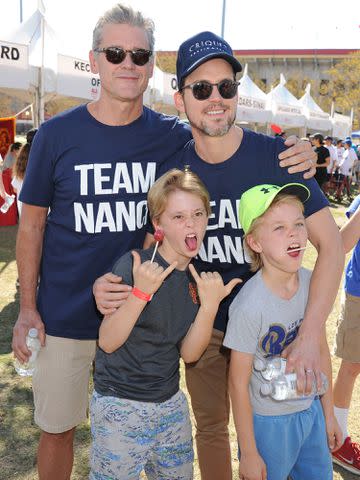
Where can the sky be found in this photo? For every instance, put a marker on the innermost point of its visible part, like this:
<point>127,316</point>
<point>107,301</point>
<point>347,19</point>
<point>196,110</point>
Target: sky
<point>255,24</point>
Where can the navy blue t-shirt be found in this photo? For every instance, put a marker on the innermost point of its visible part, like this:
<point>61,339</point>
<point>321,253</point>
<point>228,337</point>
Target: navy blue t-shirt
<point>256,161</point>
<point>94,178</point>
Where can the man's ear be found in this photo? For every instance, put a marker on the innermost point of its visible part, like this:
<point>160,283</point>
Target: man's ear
<point>151,66</point>
<point>253,243</point>
<point>93,62</point>
<point>179,102</point>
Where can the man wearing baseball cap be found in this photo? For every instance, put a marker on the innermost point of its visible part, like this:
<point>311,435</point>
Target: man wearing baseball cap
<point>230,160</point>
<point>199,49</point>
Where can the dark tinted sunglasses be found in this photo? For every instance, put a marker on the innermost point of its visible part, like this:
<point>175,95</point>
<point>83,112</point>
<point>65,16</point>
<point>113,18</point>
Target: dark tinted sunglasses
<point>202,90</point>
<point>116,55</point>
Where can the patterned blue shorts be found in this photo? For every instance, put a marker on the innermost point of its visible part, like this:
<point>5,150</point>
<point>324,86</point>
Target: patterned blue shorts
<point>130,436</point>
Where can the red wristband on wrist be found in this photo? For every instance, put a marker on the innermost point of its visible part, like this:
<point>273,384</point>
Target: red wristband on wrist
<point>142,295</point>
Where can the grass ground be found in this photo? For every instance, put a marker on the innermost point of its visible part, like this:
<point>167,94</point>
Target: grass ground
<point>19,436</point>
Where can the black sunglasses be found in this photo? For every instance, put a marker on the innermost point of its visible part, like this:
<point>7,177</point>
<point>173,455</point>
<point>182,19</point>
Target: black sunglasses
<point>202,90</point>
<point>116,55</point>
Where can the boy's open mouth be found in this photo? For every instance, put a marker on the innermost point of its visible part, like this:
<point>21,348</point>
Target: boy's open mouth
<point>191,241</point>
<point>295,249</point>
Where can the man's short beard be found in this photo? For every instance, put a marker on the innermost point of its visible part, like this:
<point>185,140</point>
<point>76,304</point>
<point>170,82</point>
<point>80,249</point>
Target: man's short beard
<point>213,131</point>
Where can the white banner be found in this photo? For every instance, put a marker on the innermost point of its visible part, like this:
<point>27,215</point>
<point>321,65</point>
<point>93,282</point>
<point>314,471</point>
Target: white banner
<point>252,110</point>
<point>317,120</point>
<point>249,102</point>
<point>288,115</point>
<point>74,78</point>
<point>14,66</point>
<point>288,109</point>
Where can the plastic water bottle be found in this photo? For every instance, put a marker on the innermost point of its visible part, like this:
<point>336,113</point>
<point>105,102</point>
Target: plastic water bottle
<point>284,387</point>
<point>9,200</point>
<point>34,345</point>
<point>270,368</point>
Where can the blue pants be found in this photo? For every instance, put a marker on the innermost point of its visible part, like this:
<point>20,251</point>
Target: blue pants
<point>294,444</point>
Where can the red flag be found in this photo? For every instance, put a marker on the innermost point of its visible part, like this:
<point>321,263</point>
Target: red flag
<point>7,134</point>
<point>7,137</point>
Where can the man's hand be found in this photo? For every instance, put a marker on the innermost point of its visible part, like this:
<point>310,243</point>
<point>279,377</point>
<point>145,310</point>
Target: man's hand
<point>110,293</point>
<point>299,157</point>
<point>303,358</point>
<point>27,319</point>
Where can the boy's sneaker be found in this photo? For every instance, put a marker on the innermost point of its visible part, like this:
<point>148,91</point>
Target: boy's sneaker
<point>348,456</point>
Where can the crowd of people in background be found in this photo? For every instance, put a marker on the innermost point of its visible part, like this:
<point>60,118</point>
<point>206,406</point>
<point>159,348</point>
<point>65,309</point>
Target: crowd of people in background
<point>338,165</point>
<point>13,168</point>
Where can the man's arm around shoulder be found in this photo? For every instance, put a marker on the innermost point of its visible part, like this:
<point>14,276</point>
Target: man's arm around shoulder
<point>304,353</point>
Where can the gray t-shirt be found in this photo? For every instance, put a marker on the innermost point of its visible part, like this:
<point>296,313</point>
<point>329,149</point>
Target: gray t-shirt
<point>263,324</point>
<point>146,366</point>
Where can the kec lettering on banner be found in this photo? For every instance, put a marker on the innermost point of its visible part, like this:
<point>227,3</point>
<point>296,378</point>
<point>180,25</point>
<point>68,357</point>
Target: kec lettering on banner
<point>83,66</point>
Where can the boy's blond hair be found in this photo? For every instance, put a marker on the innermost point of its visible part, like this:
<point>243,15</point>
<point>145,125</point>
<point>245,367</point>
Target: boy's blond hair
<point>171,181</point>
<point>256,261</point>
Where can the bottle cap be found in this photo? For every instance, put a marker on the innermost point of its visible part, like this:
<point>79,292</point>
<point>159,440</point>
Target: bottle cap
<point>33,333</point>
<point>259,364</point>
<point>265,389</point>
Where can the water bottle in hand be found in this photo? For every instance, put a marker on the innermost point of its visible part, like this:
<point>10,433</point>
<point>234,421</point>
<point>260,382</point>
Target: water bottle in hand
<point>9,200</point>
<point>284,387</point>
<point>271,367</point>
<point>33,343</point>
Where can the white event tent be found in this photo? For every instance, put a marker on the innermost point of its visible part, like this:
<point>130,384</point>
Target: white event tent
<point>341,125</point>
<point>252,101</point>
<point>316,118</point>
<point>162,87</point>
<point>286,109</point>
<point>30,60</point>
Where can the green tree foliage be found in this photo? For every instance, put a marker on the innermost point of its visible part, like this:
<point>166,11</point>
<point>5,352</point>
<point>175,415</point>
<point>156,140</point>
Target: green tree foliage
<point>166,61</point>
<point>344,86</point>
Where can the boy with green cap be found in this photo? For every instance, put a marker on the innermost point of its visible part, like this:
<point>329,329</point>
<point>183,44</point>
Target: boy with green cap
<point>291,437</point>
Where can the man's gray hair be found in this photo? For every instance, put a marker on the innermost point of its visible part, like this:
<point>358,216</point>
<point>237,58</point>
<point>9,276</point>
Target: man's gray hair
<point>121,14</point>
